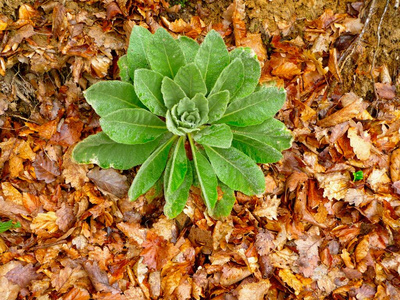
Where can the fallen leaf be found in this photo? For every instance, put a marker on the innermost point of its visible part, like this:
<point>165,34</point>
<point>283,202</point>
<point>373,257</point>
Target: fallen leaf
<point>109,180</point>
<point>11,193</point>
<point>385,90</point>
<point>22,275</point>
<point>45,223</point>
<point>296,282</point>
<point>154,251</point>
<point>378,180</point>
<point>395,165</point>
<point>254,290</point>
<point>345,114</point>
<point>269,208</point>
<point>45,169</point>
<point>65,217</point>
<point>360,144</point>
<point>335,184</point>
<point>99,278</point>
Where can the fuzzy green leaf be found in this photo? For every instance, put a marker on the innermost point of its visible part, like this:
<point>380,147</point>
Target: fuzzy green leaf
<point>252,71</point>
<point>190,80</point>
<point>217,135</point>
<point>132,126</point>
<point>108,96</point>
<point>189,48</point>
<point>202,104</point>
<point>123,66</point>
<point>137,50</point>
<point>211,58</point>
<point>230,79</point>
<point>148,89</point>
<point>150,171</point>
<point>176,168</point>
<point>175,202</point>
<point>236,170</point>
<point>217,104</point>
<point>172,92</point>
<point>226,200</point>
<point>255,108</point>
<point>271,132</point>
<point>206,178</point>
<point>256,150</point>
<point>99,149</point>
<point>165,54</point>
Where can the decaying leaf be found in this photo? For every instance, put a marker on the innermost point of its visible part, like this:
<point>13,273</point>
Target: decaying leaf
<point>110,181</point>
<point>335,185</point>
<point>348,112</point>
<point>395,165</point>
<point>360,144</point>
<point>45,169</point>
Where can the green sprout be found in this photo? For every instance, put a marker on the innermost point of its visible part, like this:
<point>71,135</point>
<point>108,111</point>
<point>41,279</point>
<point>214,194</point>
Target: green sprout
<point>359,175</point>
<point>4,226</point>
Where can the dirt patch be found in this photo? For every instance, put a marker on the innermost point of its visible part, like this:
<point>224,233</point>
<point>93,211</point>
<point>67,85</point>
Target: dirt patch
<point>284,17</point>
<point>370,53</point>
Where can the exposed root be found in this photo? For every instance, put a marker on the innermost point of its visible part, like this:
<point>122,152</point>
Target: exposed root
<point>350,50</point>
<point>378,34</point>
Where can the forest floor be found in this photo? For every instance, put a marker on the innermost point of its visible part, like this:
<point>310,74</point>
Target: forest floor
<point>327,226</point>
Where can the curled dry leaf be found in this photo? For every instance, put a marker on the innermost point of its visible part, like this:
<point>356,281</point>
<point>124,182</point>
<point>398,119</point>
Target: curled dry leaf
<point>345,114</point>
<point>45,223</point>
<point>335,184</point>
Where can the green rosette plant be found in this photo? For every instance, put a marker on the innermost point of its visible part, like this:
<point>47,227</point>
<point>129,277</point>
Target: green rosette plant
<point>189,114</point>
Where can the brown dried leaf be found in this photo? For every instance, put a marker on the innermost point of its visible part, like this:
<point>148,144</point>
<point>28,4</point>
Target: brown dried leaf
<point>395,165</point>
<point>9,290</point>
<point>360,144</point>
<point>45,169</point>
<point>74,173</point>
<point>287,70</point>
<point>110,181</point>
<point>335,184</point>
<point>22,275</point>
<point>65,217</point>
<point>345,114</point>
<point>231,275</point>
<point>269,208</point>
<point>254,290</point>
<point>99,278</point>
<point>362,249</point>
<point>46,130</point>
<point>69,133</point>
<point>385,90</point>
<point>333,66</point>
<point>11,193</point>
<point>155,251</point>
<point>68,277</point>
<point>296,282</point>
<point>77,293</point>
<point>45,223</point>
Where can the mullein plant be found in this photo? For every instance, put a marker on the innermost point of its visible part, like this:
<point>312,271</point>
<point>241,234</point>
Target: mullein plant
<point>189,114</point>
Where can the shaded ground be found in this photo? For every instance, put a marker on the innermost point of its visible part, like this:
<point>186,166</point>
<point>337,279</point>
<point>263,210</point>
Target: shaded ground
<point>318,232</point>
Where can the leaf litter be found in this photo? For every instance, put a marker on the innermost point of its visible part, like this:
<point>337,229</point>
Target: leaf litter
<point>314,234</point>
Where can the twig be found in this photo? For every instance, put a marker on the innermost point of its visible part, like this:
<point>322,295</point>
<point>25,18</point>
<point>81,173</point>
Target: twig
<point>378,34</point>
<point>350,50</point>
